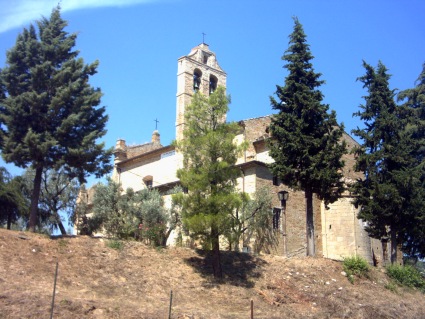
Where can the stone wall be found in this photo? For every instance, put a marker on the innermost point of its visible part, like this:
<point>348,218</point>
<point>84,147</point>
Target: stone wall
<point>344,234</point>
<point>294,216</point>
<point>349,159</point>
<point>253,130</point>
<point>133,151</point>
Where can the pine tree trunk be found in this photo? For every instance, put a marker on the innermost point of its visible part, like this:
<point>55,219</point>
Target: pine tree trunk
<point>311,251</point>
<point>34,198</point>
<point>216,262</point>
<point>393,246</point>
<point>9,220</point>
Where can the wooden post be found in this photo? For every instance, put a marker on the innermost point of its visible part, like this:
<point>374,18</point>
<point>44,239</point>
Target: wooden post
<point>252,309</point>
<point>171,302</point>
<point>54,291</point>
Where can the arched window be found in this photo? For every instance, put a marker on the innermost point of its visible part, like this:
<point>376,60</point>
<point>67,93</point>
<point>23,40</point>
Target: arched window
<point>213,83</point>
<point>148,180</point>
<point>197,76</point>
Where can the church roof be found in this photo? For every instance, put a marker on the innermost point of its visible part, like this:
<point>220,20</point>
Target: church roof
<point>153,152</point>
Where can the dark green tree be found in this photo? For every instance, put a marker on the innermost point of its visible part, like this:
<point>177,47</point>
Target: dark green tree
<point>414,231</point>
<point>2,96</point>
<point>306,140</point>
<point>50,113</point>
<point>209,172</point>
<point>385,157</point>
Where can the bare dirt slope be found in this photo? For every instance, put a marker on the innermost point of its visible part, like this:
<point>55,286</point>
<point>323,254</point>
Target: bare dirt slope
<point>96,281</point>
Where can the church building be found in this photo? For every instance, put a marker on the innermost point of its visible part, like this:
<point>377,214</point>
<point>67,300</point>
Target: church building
<point>338,232</point>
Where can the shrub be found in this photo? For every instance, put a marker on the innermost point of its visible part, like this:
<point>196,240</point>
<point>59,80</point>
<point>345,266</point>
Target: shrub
<point>391,286</point>
<point>115,244</point>
<point>406,276</point>
<point>355,266</point>
<point>153,234</point>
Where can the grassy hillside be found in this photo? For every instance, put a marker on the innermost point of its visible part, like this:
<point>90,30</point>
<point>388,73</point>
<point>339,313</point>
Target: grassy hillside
<point>134,281</point>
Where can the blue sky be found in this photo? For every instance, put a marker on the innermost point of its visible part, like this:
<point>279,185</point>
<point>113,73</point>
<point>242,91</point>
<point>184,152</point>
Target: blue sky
<point>138,43</point>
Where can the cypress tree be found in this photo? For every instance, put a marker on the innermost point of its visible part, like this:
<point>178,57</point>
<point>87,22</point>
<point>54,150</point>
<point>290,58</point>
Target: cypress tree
<point>306,140</point>
<point>49,110</point>
<point>414,175</point>
<point>385,158</point>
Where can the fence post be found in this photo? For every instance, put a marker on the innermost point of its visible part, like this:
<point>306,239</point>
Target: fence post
<point>171,302</point>
<point>54,291</point>
<point>252,309</point>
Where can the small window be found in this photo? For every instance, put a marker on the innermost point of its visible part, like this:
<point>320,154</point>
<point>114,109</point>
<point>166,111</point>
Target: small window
<point>148,180</point>
<point>197,76</point>
<point>276,218</point>
<point>206,56</point>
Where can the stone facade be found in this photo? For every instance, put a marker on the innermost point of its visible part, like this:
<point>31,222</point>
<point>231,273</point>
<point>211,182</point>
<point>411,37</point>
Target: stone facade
<point>197,71</point>
<point>338,233</point>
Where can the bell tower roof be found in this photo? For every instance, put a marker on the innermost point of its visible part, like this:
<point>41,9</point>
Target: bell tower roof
<point>204,56</point>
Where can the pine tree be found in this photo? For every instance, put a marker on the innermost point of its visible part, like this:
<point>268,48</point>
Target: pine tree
<point>414,229</point>
<point>385,158</point>
<point>306,140</point>
<point>209,172</point>
<point>49,110</point>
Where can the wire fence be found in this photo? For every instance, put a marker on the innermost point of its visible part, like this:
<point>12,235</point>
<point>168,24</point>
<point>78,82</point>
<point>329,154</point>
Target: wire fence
<point>170,307</point>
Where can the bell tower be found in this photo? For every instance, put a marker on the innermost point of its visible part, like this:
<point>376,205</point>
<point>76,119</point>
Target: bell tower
<point>197,71</point>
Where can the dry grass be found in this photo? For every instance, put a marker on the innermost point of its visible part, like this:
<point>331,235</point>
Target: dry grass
<point>96,281</point>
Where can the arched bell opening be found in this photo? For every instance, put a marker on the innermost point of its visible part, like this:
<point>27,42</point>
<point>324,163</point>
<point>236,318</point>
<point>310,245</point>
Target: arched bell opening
<point>197,76</point>
<point>213,84</point>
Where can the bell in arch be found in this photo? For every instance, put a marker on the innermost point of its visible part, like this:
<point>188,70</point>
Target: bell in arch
<point>196,80</point>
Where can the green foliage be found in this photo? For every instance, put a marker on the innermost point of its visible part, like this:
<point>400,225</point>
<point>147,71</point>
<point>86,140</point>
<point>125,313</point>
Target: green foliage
<point>111,211</point>
<point>414,230</point>
<point>260,220</point>
<point>13,205</point>
<point>355,266</point>
<point>152,232</point>
<point>209,172</point>
<point>129,214</point>
<point>115,244</point>
<point>58,194</point>
<point>392,193</point>
<point>254,220</point>
<point>50,113</point>
<point>391,286</point>
<point>407,276</point>
<point>306,140</point>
